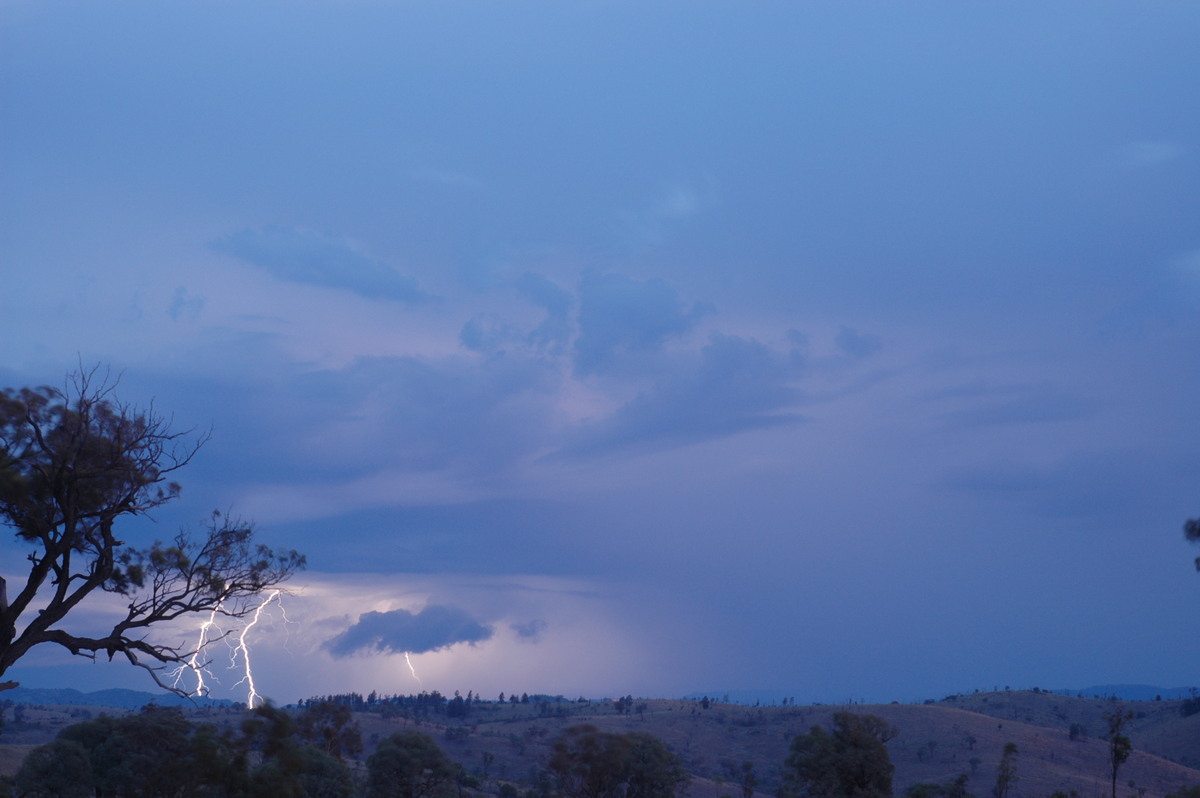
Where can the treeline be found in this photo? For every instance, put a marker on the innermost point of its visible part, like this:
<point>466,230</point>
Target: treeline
<point>428,702</point>
<point>158,753</point>
<point>317,751</point>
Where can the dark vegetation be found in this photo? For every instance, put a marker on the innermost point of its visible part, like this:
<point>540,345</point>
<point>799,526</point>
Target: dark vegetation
<point>984,745</point>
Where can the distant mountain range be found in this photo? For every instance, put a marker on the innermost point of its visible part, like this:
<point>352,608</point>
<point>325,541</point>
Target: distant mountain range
<point>116,698</point>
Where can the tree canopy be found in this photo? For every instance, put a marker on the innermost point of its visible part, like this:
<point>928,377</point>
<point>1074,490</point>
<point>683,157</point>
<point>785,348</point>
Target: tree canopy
<point>409,765</point>
<point>588,763</point>
<point>73,463</point>
<point>851,761</point>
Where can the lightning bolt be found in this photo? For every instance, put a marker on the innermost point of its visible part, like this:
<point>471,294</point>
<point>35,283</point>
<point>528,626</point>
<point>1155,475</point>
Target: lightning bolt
<point>195,664</point>
<point>413,670</point>
<point>244,650</point>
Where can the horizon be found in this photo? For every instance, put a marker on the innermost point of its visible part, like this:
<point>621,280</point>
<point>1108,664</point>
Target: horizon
<point>624,348</point>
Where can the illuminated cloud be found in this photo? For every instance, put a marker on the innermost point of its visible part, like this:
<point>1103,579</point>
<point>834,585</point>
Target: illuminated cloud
<point>399,631</point>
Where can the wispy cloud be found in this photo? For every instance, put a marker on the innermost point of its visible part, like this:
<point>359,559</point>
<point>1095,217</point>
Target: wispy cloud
<point>303,256</point>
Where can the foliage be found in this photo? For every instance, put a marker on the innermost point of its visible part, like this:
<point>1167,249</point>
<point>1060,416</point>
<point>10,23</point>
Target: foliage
<point>155,752</point>
<point>73,463</point>
<point>159,752</point>
<point>1185,792</point>
<point>1119,744</point>
<point>587,763</point>
<point>953,789</point>
<point>850,762</point>
<point>409,765</point>
<point>1006,773</point>
<point>60,769</point>
<point>331,728</point>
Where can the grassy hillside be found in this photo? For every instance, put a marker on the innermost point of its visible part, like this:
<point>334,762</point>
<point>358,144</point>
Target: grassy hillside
<point>936,741</point>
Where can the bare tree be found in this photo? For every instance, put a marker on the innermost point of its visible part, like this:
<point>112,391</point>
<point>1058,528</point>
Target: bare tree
<point>1191,532</point>
<point>72,463</point>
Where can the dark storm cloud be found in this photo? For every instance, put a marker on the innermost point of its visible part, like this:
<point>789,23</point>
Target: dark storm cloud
<point>433,628</point>
<point>302,256</point>
<point>735,384</point>
<point>618,314</point>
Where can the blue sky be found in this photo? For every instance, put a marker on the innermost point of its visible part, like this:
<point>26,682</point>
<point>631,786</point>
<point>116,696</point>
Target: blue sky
<point>844,350</point>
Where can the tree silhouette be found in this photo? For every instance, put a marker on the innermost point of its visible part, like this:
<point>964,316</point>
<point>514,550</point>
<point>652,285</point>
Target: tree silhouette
<point>74,462</point>
<point>409,765</point>
<point>1006,773</point>
<point>852,761</point>
<point>588,763</point>
<point>1191,531</point>
<point>1119,744</point>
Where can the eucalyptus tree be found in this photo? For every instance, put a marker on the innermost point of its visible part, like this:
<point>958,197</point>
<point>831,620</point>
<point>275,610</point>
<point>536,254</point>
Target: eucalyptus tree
<point>75,462</point>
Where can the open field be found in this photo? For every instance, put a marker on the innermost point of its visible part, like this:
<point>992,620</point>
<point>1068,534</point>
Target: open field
<point>936,741</point>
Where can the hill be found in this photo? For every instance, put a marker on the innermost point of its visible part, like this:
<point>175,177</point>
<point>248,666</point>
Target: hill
<point>937,741</point>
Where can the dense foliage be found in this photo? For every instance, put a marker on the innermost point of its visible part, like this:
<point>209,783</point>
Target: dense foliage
<point>588,763</point>
<point>158,752</point>
<point>851,761</point>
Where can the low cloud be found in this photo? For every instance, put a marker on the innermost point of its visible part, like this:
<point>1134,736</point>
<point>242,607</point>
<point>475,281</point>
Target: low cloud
<point>302,256</point>
<point>399,631</point>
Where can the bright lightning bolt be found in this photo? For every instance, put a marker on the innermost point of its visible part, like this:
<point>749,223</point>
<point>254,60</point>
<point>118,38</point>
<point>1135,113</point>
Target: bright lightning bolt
<point>244,650</point>
<point>195,663</point>
<point>413,670</point>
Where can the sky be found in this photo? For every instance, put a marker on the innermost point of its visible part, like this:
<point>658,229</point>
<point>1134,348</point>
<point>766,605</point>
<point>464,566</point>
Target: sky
<point>838,351</point>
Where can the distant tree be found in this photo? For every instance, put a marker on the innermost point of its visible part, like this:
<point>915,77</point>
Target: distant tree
<point>1185,792</point>
<point>850,762</point>
<point>651,769</point>
<point>330,727</point>
<point>60,769</point>
<point>587,763</point>
<point>409,765</point>
<point>1119,744</point>
<point>954,789</point>
<point>73,463</point>
<point>749,779</point>
<point>1006,773</point>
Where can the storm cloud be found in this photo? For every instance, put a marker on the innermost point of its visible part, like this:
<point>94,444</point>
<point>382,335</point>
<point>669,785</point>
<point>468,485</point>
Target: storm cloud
<point>433,628</point>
